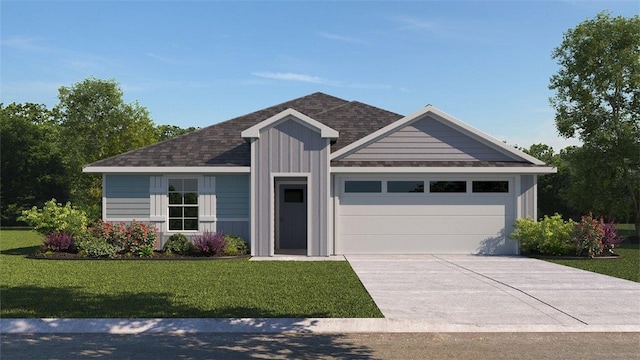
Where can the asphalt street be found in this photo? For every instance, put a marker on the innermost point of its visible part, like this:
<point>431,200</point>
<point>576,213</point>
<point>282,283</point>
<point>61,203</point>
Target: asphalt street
<point>611,346</point>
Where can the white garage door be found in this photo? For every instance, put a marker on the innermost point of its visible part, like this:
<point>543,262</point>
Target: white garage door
<point>425,216</point>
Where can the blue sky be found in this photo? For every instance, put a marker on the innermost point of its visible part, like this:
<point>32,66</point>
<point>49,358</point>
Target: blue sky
<point>198,63</point>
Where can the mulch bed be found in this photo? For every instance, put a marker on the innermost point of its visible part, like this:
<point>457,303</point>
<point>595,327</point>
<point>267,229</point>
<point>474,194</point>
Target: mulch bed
<point>157,255</point>
<point>566,257</point>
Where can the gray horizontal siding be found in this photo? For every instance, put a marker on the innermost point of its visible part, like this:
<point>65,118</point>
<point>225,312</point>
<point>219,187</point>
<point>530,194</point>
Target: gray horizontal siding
<point>427,140</point>
<point>127,196</point>
<point>232,196</point>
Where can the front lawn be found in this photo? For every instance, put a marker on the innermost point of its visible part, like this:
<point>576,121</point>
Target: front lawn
<point>625,267</point>
<point>173,289</point>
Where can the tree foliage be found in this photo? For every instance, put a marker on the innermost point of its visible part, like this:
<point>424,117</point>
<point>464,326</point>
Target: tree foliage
<point>31,170</point>
<point>96,123</point>
<point>166,132</point>
<point>43,150</point>
<point>554,189</point>
<point>597,98</point>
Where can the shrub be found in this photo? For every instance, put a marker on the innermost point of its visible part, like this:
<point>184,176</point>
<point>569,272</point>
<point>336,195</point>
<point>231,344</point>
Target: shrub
<point>178,244</point>
<point>549,236</point>
<point>593,236</point>
<point>610,239</point>
<point>56,218</point>
<point>93,246</point>
<point>133,238</point>
<point>59,242</point>
<point>209,244</point>
<point>587,236</point>
<point>235,246</point>
<point>139,237</point>
<point>146,252</point>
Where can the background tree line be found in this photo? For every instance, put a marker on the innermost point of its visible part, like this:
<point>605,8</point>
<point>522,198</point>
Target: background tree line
<point>43,150</point>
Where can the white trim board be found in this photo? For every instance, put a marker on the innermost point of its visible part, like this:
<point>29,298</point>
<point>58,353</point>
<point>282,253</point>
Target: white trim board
<point>444,170</point>
<point>324,130</point>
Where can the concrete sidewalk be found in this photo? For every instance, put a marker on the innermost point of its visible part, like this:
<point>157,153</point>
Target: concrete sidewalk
<point>276,326</point>
<point>496,291</point>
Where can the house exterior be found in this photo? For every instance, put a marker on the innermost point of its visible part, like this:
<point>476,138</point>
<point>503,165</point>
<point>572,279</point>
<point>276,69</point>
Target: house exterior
<point>326,176</point>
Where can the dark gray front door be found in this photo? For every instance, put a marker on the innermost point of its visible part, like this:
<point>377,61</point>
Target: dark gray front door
<point>292,221</point>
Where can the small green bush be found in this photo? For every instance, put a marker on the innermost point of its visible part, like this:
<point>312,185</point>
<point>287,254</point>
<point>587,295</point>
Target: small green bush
<point>549,236</point>
<point>235,246</point>
<point>56,218</point>
<point>146,252</point>
<point>178,244</point>
<point>93,246</point>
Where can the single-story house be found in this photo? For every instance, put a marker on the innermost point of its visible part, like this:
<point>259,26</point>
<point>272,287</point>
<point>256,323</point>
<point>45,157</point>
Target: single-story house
<point>329,176</point>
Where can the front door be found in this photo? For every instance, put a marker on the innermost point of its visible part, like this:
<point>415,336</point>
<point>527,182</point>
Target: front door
<point>292,216</point>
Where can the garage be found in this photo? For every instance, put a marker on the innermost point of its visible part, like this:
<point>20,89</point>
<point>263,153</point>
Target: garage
<point>425,215</point>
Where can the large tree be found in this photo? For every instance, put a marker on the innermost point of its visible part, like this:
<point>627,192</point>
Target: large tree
<point>553,189</point>
<point>597,98</point>
<point>96,123</point>
<point>31,168</point>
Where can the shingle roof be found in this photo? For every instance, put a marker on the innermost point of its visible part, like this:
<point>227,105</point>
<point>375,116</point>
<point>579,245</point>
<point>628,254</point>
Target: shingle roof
<point>222,145</point>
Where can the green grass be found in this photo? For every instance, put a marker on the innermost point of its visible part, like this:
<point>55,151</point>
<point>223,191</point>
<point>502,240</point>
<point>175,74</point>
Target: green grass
<point>625,267</point>
<point>173,289</point>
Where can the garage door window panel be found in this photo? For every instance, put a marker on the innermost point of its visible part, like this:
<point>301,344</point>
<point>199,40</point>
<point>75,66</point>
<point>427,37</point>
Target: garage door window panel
<point>490,186</point>
<point>362,186</point>
<point>448,186</point>
<point>405,186</point>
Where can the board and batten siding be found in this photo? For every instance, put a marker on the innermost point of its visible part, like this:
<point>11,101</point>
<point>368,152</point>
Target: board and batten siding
<point>528,198</point>
<point>126,197</point>
<point>427,139</point>
<point>292,149</point>
<point>232,205</point>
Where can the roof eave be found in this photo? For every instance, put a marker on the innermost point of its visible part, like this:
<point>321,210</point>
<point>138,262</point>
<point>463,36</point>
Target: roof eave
<point>166,169</point>
<point>523,170</point>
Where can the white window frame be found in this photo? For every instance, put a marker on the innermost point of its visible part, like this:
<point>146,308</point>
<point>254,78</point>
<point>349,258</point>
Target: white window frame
<point>199,180</point>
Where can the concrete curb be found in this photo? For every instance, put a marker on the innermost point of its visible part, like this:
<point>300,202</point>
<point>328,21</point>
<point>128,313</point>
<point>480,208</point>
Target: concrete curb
<point>275,325</point>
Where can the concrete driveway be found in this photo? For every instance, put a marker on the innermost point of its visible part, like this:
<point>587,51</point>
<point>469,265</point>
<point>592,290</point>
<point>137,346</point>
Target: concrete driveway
<point>490,291</point>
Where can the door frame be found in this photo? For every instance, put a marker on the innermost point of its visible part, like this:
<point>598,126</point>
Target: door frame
<point>286,179</point>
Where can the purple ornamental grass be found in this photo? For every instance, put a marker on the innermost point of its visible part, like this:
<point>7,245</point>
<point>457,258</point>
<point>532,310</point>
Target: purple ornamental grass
<point>610,238</point>
<point>210,244</point>
<point>59,242</point>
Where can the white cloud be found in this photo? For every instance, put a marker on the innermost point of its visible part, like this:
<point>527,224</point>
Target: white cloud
<point>342,38</point>
<point>408,22</point>
<point>319,80</point>
<point>296,77</point>
<point>166,59</point>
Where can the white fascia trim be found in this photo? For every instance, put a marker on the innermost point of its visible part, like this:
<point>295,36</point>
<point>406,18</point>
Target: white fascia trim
<point>447,120</point>
<point>445,170</point>
<point>325,131</point>
<point>166,169</point>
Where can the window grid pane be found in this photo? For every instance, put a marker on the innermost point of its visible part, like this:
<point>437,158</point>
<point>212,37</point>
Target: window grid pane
<point>183,192</point>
